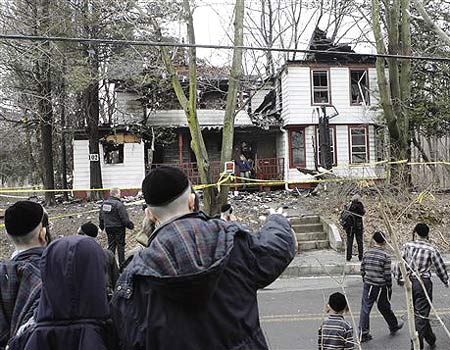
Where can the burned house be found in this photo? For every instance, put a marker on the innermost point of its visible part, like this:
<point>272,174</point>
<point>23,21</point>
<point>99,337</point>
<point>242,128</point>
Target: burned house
<point>279,123</point>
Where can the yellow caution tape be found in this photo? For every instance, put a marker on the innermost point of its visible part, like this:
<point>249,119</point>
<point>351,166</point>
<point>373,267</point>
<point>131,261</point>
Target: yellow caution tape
<point>229,179</point>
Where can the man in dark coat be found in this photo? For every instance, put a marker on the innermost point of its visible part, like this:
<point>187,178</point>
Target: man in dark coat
<point>112,270</point>
<point>355,228</point>
<point>195,285</point>
<point>114,220</point>
<point>73,311</point>
<point>26,224</point>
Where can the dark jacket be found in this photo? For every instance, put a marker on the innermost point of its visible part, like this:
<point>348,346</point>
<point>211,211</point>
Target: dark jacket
<point>20,286</point>
<point>73,311</point>
<point>195,286</point>
<point>357,208</point>
<point>114,214</point>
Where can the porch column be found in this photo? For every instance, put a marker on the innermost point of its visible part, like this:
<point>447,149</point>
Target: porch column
<point>180,148</point>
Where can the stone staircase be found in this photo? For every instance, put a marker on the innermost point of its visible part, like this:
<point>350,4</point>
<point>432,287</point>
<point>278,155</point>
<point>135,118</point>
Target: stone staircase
<point>310,233</point>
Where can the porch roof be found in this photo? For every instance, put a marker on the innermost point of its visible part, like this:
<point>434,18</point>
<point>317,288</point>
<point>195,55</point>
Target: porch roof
<point>208,118</point>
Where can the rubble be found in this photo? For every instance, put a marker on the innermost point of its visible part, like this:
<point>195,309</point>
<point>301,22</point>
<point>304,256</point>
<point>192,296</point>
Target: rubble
<point>404,209</point>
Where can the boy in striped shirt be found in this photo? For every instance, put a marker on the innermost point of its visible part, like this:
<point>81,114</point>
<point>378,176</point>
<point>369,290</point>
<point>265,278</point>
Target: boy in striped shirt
<point>336,333</point>
<point>376,274</point>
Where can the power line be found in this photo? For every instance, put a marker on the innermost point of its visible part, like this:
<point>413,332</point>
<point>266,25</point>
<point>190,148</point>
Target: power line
<point>5,37</point>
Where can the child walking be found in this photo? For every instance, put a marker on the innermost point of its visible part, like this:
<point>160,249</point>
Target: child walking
<point>336,333</point>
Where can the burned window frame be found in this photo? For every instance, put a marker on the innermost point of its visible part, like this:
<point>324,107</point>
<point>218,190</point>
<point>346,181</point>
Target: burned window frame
<point>366,90</point>
<point>108,156</point>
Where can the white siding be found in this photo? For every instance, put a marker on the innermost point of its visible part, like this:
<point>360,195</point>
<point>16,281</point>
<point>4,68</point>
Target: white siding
<point>343,167</point>
<point>129,174</point>
<point>81,164</point>
<point>298,107</point>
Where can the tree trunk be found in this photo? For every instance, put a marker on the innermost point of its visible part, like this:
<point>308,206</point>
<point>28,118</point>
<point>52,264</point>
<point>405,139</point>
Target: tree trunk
<point>197,141</point>
<point>92,113</point>
<point>63,131</point>
<point>391,98</point>
<point>233,89</point>
<point>46,110</point>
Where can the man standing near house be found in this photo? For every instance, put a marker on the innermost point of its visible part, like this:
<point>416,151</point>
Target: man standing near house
<point>195,285</point>
<point>114,220</point>
<point>26,224</point>
<point>355,227</point>
<point>420,256</point>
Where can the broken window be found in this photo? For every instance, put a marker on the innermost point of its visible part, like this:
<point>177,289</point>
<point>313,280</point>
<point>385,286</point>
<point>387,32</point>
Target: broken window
<point>297,148</point>
<point>321,87</point>
<point>358,145</point>
<point>113,153</point>
<point>359,87</point>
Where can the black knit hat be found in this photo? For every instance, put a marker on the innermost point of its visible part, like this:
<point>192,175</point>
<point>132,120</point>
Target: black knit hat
<point>23,217</point>
<point>379,237</point>
<point>88,229</point>
<point>422,230</point>
<point>163,185</point>
<point>337,302</point>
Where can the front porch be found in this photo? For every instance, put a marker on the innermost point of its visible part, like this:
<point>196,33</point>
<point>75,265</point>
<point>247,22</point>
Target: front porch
<point>264,169</point>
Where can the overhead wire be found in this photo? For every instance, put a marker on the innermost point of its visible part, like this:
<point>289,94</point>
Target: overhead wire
<point>9,37</point>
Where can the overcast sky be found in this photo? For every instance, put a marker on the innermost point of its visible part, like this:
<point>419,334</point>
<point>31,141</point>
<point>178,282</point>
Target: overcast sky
<point>213,25</point>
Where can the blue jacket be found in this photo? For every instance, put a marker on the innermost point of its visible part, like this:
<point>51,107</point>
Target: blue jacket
<point>194,286</point>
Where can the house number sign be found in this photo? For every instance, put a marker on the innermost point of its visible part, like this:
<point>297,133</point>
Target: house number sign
<point>94,157</point>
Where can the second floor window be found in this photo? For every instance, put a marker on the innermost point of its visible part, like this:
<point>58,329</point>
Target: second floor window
<point>359,87</point>
<point>320,87</point>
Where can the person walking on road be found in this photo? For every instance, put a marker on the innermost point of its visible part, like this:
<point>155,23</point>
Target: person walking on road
<point>355,228</point>
<point>376,274</point>
<point>336,333</point>
<point>420,256</point>
<point>195,285</point>
<point>114,220</point>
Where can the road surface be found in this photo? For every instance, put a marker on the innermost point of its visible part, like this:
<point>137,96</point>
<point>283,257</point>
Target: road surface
<point>291,311</point>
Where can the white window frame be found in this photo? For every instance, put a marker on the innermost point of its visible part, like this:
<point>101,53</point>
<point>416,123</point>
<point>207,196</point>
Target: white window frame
<point>320,88</point>
<point>366,146</point>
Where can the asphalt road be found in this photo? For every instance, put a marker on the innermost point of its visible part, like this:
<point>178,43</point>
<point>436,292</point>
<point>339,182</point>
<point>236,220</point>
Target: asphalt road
<point>292,310</point>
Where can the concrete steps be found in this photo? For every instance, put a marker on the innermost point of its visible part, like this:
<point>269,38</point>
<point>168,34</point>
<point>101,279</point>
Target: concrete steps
<point>310,233</point>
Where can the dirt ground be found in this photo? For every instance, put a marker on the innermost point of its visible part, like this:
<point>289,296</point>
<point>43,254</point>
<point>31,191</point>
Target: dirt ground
<point>403,209</point>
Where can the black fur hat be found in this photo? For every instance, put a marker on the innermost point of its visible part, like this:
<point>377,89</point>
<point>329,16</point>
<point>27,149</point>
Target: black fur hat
<point>163,185</point>
<point>23,217</point>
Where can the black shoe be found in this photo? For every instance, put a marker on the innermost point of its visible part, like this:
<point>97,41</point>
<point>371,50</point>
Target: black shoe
<point>366,337</point>
<point>398,327</point>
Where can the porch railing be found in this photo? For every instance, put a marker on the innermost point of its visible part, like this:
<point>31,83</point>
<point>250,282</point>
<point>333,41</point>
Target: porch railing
<point>265,169</point>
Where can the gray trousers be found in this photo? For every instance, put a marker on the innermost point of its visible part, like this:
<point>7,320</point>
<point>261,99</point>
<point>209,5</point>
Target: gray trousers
<point>382,296</point>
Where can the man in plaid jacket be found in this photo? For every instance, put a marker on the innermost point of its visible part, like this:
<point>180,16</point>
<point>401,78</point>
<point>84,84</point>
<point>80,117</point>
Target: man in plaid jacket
<point>420,256</point>
<point>26,224</point>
